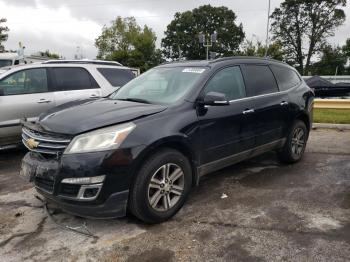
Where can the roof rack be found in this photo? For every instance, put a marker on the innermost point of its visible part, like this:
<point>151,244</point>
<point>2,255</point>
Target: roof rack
<point>221,59</point>
<point>243,57</point>
<point>83,61</point>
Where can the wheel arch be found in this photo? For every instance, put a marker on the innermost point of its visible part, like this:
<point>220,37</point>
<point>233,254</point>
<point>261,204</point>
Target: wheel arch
<point>178,143</point>
<point>306,119</point>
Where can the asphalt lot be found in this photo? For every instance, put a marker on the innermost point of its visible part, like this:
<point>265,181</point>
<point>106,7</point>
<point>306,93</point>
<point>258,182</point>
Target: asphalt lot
<point>272,212</point>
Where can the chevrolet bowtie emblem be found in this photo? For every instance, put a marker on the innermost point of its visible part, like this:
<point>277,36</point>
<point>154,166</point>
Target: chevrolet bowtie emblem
<point>31,143</point>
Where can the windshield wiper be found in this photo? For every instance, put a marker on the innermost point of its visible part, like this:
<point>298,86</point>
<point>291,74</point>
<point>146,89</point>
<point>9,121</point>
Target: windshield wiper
<point>138,100</point>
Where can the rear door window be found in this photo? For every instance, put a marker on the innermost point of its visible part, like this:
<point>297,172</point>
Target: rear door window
<point>116,77</point>
<point>72,78</point>
<point>228,81</point>
<point>259,80</point>
<point>28,81</point>
<point>286,77</point>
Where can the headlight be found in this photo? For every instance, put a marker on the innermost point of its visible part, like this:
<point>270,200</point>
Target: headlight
<point>101,139</point>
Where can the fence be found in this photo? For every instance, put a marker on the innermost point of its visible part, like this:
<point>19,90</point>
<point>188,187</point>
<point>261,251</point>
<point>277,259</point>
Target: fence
<point>332,103</point>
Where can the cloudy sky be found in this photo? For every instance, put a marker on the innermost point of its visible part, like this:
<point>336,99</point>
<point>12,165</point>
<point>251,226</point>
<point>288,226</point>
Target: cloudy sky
<point>61,26</point>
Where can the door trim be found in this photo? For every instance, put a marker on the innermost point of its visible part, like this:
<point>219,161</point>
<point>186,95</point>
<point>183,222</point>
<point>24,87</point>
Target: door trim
<point>9,125</point>
<point>233,159</point>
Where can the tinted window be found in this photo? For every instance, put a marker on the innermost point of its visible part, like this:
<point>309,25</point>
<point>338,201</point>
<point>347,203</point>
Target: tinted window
<point>116,77</point>
<point>5,63</point>
<point>25,82</point>
<point>72,78</point>
<point>259,80</point>
<point>286,77</point>
<point>228,81</point>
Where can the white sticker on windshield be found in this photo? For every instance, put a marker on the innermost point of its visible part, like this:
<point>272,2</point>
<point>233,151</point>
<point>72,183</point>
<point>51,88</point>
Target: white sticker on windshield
<point>193,70</point>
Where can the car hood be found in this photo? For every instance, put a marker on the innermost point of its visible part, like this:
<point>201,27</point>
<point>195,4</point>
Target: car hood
<point>80,116</point>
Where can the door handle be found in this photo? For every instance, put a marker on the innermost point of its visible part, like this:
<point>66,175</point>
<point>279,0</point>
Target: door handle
<point>93,96</point>
<point>284,103</point>
<point>43,101</point>
<point>248,111</point>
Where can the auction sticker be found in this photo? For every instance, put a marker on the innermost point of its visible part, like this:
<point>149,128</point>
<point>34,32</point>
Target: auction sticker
<point>193,70</point>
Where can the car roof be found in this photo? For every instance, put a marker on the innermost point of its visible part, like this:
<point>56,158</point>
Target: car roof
<point>235,59</point>
<point>69,64</point>
<point>45,65</point>
<point>83,61</point>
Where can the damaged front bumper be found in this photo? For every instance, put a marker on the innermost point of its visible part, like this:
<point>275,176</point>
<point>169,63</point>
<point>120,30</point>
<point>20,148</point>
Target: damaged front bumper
<point>92,185</point>
<point>113,207</point>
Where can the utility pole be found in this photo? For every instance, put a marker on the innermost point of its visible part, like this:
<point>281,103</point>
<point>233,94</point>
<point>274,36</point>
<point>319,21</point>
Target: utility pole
<point>178,40</point>
<point>267,29</point>
<point>208,42</point>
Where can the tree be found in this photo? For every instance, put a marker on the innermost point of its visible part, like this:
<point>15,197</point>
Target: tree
<point>181,36</point>
<point>346,48</point>
<point>258,49</point>
<point>3,33</point>
<point>346,52</point>
<point>305,23</point>
<point>47,53</point>
<point>332,62</point>
<point>126,42</point>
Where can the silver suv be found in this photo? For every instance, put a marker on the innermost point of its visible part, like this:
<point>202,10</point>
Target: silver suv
<point>27,91</point>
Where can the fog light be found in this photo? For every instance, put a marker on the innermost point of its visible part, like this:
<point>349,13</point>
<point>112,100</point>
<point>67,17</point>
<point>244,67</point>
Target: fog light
<point>84,180</point>
<point>90,192</point>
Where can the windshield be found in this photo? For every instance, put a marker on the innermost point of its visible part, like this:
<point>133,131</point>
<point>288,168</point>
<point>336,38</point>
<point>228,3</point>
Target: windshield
<point>5,62</point>
<point>160,85</point>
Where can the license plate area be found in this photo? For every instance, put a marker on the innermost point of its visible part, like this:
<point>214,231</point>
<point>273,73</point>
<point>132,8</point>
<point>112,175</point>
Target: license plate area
<point>42,172</point>
<point>28,169</point>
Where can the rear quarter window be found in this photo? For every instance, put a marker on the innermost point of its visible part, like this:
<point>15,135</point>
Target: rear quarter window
<point>72,78</point>
<point>116,77</point>
<point>286,77</point>
<point>259,80</point>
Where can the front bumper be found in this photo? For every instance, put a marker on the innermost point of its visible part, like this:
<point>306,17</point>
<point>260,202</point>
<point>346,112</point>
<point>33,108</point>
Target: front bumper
<point>111,200</point>
<point>113,207</point>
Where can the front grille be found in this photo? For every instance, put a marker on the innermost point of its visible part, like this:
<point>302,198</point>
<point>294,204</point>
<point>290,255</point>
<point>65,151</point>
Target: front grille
<point>44,143</point>
<point>69,190</point>
<point>44,184</point>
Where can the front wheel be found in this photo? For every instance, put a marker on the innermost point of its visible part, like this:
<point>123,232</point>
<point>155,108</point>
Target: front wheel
<point>294,147</point>
<point>161,186</point>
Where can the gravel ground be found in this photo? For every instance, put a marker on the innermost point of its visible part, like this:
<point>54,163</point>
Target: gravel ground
<point>272,212</point>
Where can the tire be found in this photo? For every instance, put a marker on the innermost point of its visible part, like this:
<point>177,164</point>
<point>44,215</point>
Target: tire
<point>154,197</point>
<point>294,148</point>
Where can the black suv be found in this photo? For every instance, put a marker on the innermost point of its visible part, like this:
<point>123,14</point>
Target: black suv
<point>144,147</point>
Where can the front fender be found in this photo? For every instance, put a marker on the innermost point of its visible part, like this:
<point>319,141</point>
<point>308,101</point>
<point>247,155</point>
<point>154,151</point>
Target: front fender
<point>178,142</point>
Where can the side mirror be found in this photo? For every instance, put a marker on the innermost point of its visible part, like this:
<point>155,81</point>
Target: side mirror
<point>215,99</point>
<point>2,93</point>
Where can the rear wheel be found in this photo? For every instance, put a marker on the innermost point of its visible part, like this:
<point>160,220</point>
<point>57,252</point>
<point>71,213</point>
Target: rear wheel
<point>294,147</point>
<point>161,186</point>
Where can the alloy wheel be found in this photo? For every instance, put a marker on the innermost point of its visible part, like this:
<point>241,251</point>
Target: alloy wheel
<point>166,187</point>
<point>298,142</point>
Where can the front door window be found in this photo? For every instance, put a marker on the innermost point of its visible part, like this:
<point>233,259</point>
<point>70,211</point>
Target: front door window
<point>228,81</point>
<point>28,81</point>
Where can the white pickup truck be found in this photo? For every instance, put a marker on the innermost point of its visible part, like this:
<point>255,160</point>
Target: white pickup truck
<point>11,59</point>
<point>7,60</point>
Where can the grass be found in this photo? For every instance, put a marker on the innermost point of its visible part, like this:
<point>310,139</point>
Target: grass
<point>333,116</point>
